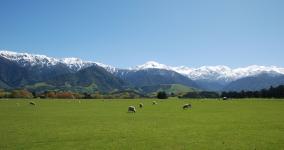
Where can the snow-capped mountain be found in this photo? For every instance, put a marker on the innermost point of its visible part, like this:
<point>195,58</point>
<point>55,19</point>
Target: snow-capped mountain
<point>227,74</point>
<point>151,65</point>
<point>25,60</point>
<point>109,68</point>
<point>76,63</point>
<point>210,73</point>
<point>20,69</point>
<point>214,73</point>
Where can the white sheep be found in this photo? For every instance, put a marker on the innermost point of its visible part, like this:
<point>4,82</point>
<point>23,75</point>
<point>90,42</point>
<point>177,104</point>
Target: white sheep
<point>32,103</point>
<point>186,106</point>
<point>131,109</point>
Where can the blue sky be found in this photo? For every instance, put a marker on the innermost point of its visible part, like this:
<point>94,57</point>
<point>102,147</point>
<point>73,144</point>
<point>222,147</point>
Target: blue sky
<point>126,33</point>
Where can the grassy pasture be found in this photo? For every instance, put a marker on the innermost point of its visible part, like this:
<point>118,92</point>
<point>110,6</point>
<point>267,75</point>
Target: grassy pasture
<point>105,124</point>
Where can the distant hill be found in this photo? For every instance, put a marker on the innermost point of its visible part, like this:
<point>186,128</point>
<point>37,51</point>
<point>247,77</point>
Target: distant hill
<point>210,85</point>
<point>255,83</point>
<point>152,77</point>
<point>94,77</point>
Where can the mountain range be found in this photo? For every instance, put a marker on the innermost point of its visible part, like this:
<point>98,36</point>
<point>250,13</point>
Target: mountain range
<point>40,72</point>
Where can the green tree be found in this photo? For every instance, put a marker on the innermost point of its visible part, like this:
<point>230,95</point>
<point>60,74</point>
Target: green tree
<point>162,95</point>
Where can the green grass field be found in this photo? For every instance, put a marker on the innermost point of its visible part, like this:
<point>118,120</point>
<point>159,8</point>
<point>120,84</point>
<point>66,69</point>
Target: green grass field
<point>105,124</point>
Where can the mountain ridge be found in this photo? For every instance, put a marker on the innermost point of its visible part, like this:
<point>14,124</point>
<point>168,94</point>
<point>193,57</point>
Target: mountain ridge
<point>39,68</point>
<point>212,73</point>
<point>254,83</point>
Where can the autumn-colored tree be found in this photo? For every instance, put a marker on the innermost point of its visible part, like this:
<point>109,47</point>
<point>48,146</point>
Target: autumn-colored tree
<point>77,95</point>
<point>96,95</point>
<point>21,94</point>
<point>50,94</point>
<point>2,93</point>
<point>64,95</point>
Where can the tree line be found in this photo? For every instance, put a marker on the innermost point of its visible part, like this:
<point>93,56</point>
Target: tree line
<point>272,92</point>
<point>202,94</point>
<point>24,93</point>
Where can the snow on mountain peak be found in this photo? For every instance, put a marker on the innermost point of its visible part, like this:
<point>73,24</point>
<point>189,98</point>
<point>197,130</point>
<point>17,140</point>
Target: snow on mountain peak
<point>225,73</point>
<point>214,73</point>
<point>76,63</point>
<point>72,60</point>
<point>151,65</point>
<point>29,59</point>
<point>25,59</point>
<point>254,70</point>
<point>109,68</point>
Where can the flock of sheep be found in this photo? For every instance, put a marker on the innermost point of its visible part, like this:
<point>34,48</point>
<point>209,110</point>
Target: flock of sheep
<point>133,109</point>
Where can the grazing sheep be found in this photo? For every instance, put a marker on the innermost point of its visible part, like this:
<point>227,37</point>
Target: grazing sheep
<point>186,106</point>
<point>154,103</point>
<point>225,98</point>
<point>141,105</point>
<point>131,109</point>
<point>32,103</point>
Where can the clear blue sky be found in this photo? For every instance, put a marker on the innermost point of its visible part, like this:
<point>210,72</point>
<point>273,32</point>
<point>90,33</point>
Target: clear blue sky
<point>126,33</point>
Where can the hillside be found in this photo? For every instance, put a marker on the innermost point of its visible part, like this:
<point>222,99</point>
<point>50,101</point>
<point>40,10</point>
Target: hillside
<point>152,77</point>
<point>255,83</point>
<point>168,88</point>
<point>93,77</point>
